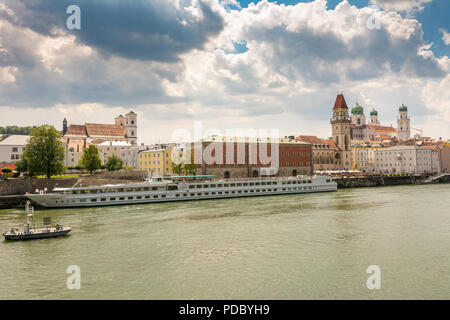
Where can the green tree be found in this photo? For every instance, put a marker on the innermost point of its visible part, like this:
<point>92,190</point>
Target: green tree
<point>190,168</point>
<point>44,151</point>
<point>113,163</point>
<point>90,160</point>
<point>22,165</point>
<point>177,168</point>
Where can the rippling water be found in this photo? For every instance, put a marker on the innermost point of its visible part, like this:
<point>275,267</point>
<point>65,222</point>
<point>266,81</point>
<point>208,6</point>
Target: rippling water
<point>311,246</point>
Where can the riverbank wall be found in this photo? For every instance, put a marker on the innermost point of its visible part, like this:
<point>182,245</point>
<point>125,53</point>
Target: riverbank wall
<point>379,181</point>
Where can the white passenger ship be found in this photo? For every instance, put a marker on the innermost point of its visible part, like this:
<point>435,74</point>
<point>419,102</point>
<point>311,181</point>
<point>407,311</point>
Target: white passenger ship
<point>179,189</point>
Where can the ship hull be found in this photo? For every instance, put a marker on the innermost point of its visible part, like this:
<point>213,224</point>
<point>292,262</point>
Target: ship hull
<point>68,199</point>
<point>34,236</point>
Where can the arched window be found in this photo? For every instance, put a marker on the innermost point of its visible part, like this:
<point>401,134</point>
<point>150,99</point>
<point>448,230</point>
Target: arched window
<point>255,173</point>
<point>227,175</point>
<point>294,173</point>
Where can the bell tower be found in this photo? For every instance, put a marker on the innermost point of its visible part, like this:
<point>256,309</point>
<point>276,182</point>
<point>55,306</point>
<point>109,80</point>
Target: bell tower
<point>403,123</point>
<point>131,127</point>
<point>341,130</point>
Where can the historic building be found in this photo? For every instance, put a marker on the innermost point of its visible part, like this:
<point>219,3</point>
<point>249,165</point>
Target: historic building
<point>403,123</point>
<point>363,156</point>
<point>109,138</point>
<point>373,131</point>
<point>324,153</point>
<point>156,162</point>
<point>341,130</point>
<point>237,157</point>
<point>406,159</point>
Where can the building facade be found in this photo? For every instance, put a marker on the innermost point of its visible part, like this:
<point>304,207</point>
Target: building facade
<point>405,159</point>
<point>156,162</point>
<point>363,157</point>
<point>324,153</point>
<point>235,157</point>
<point>11,148</point>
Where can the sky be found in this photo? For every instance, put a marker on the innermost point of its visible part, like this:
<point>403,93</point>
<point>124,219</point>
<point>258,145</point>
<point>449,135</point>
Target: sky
<point>224,64</point>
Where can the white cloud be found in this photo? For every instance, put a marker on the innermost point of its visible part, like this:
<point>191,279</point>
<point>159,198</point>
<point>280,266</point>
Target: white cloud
<point>407,6</point>
<point>445,36</point>
<point>299,57</point>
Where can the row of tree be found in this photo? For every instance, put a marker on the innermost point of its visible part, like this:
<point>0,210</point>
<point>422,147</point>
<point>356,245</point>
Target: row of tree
<point>9,130</point>
<point>44,154</point>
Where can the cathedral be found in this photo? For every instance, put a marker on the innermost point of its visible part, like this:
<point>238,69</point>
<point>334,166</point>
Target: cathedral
<point>373,130</point>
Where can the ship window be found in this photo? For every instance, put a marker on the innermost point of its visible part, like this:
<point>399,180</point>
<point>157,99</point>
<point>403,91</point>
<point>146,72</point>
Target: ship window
<point>184,194</point>
<point>192,186</point>
<point>154,188</point>
<point>206,186</point>
<point>172,188</point>
<point>239,191</point>
<point>245,191</point>
<point>155,196</point>
<point>147,197</point>
<point>138,197</point>
<point>213,186</point>
<point>251,184</point>
<point>119,190</point>
<point>177,195</point>
<point>121,198</point>
<point>226,185</point>
<point>220,186</point>
<point>83,200</point>
<point>130,198</point>
<point>252,190</point>
<point>233,185</point>
<point>93,191</point>
<point>93,200</point>
<point>192,194</point>
<point>199,194</point>
<point>206,193</point>
<point>239,184</point>
<point>233,192</point>
<point>219,192</point>
<point>103,199</point>
<point>213,193</point>
<point>111,190</point>
<point>226,192</point>
<point>284,189</point>
<point>112,199</point>
<point>163,196</point>
<point>245,184</point>
<point>75,192</point>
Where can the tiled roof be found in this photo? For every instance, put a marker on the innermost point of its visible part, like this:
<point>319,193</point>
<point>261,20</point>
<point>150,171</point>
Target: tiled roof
<point>105,130</point>
<point>382,128</point>
<point>76,130</point>
<point>309,139</point>
<point>331,144</point>
<point>340,102</point>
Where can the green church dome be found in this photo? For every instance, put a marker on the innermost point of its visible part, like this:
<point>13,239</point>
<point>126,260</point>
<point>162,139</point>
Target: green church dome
<point>374,112</point>
<point>403,108</point>
<point>357,109</point>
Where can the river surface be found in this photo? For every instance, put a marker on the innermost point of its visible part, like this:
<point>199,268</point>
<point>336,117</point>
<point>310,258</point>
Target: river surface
<point>310,246</point>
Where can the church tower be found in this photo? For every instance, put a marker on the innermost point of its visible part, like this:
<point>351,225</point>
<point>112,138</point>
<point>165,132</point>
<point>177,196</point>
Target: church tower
<point>403,123</point>
<point>340,128</point>
<point>64,126</point>
<point>358,117</point>
<point>131,127</point>
<point>374,117</point>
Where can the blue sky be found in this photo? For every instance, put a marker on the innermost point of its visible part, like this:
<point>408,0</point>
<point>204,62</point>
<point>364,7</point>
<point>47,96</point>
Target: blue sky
<point>175,62</point>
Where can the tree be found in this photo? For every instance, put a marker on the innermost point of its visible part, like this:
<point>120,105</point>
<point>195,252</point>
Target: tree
<point>177,167</point>
<point>90,160</point>
<point>190,168</point>
<point>44,152</point>
<point>22,165</point>
<point>113,163</point>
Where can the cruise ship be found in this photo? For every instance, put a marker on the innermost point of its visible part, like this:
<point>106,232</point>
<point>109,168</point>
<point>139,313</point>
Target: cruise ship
<point>180,188</point>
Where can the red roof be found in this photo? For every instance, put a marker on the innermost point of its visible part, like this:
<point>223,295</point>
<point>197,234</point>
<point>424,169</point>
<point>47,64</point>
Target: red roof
<point>315,140</point>
<point>382,128</point>
<point>340,102</point>
<point>102,130</point>
<point>76,130</point>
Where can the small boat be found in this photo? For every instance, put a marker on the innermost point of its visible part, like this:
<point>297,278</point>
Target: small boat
<point>30,231</point>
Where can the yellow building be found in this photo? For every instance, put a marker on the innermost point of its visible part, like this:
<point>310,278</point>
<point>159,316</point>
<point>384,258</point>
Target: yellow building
<point>156,162</point>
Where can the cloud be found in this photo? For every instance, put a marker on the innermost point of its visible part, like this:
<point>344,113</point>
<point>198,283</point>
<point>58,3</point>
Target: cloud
<point>445,36</point>
<point>158,30</point>
<point>407,6</point>
<point>296,59</point>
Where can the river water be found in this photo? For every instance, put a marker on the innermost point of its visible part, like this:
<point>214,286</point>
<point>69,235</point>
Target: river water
<point>310,246</point>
